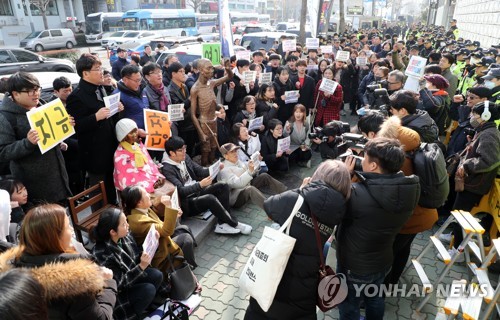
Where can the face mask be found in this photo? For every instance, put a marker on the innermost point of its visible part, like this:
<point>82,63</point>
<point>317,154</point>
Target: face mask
<point>489,84</point>
<point>474,122</point>
<point>474,61</point>
<point>443,44</point>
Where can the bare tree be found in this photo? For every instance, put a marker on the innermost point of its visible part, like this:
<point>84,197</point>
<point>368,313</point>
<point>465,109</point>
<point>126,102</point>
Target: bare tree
<point>303,15</point>
<point>195,4</point>
<point>42,6</point>
<point>341,17</point>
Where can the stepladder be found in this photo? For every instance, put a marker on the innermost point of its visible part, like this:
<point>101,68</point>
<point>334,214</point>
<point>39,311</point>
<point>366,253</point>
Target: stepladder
<point>472,243</point>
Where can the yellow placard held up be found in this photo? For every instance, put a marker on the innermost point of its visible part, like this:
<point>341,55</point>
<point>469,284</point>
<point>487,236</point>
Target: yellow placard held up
<point>157,125</point>
<point>51,121</point>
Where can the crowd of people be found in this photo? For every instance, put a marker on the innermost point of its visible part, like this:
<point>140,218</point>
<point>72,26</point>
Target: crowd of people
<point>371,206</point>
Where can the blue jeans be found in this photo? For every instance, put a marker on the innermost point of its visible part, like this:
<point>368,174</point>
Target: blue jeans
<point>374,306</point>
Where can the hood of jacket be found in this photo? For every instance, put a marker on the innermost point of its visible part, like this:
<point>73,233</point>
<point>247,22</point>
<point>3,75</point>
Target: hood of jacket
<point>9,105</point>
<point>61,278</point>
<point>323,200</point>
<point>393,192</point>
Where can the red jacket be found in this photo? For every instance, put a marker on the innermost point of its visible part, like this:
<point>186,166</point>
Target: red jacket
<point>328,110</point>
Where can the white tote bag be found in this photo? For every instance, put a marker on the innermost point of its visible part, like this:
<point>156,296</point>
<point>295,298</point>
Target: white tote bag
<point>264,269</point>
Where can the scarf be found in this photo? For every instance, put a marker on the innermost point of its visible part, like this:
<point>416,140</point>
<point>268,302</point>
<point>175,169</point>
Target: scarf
<point>248,115</point>
<point>139,158</point>
<point>163,98</point>
<point>186,177</point>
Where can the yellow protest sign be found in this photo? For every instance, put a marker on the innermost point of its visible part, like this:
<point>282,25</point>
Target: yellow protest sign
<point>157,125</point>
<point>51,121</point>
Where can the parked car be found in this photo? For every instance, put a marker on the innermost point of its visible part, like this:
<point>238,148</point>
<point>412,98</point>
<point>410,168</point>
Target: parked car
<point>132,37</point>
<point>255,41</point>
<point>47,78</point>
<point>286,26</point>
<point>112,37</point>
<point>15,59</point>
<point>253,28</point>
<point>49,39</point>
<point>169,42</point>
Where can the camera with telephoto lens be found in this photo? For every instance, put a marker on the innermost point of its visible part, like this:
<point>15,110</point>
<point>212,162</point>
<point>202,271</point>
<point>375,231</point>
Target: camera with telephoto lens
<point>328,131</point>
<point>353,141</point>
<point>357,164</point>
<point>378,85</point>
<point>382,101</point>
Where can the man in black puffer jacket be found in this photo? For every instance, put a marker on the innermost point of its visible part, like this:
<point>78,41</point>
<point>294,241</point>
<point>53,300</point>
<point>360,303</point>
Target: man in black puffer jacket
<point>404,105</point>
<point>379,206</point>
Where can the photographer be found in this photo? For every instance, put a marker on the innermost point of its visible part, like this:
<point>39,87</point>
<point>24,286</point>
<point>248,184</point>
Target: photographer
<point>370,99</point>
<point>328,138</point>
<point>379,206</point>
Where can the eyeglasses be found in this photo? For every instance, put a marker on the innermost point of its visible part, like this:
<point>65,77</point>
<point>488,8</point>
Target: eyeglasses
<point>159,72</point>
<point>98,69</point>
<point>392,82</point>
<point>136,81</point>
<point>183,149</point>
<point>32,92</point>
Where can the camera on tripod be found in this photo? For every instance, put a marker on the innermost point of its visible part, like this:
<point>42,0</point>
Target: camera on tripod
<point>351,141</point>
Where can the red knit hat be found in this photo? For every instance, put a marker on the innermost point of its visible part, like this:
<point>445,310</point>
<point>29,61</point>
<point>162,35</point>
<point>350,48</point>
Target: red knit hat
<point>437,80</point>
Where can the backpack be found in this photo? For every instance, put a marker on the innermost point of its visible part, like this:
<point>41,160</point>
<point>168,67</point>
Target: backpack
<point>430,166</point>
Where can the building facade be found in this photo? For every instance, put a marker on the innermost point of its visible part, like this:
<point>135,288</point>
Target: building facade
<point>479,20</point>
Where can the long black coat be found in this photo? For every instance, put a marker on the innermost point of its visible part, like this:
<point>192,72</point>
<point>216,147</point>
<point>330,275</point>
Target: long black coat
<point>297,291</point>
<point>96,139</point>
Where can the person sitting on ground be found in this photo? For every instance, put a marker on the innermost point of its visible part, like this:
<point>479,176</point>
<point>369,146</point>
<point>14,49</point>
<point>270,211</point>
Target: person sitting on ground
<point>196,189</point>
<point>244,179</point>
<point>297,127</point>
<point>248,112</point>
<point>75,287</point>
<point>18,198</point>
<point>249,143</point>
<point>142,214</point>
<point>275,160</point>
<point>133,165</point>
<point>116,249</point>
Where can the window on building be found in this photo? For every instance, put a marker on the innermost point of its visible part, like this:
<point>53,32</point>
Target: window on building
<point>52,9</point>
<point>5,8</point>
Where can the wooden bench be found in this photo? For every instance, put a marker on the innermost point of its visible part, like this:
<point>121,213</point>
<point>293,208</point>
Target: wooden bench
<point>85,200</point>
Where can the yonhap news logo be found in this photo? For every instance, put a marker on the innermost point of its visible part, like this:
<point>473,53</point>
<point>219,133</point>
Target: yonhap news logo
<point>332,290</point>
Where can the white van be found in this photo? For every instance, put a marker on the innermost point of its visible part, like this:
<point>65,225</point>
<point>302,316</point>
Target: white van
<point>49,39</point>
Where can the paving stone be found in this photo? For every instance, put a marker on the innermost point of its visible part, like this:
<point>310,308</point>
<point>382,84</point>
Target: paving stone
<point>214,305</point>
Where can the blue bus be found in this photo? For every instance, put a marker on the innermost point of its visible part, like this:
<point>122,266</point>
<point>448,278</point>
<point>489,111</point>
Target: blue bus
<point>165,22</point>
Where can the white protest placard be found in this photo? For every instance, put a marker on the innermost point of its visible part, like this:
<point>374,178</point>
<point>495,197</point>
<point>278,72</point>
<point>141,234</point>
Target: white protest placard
<point>174,200</point>
<point>326,49</point>
<point>412,84</point>
<point>416,66</point>
<point>249,76</point>
<point>255,157</point>
<point>150,244</point>
<point>266,77</point>
<point>243,55</point>
<point>342,56</point>
<point>175,112</point>
<point>328,85</point>
<point>283,144</point>
<point>289,45</point>
<point>361,61</point>
<point>255,124</point>
<point>291,96</point>
<point>214,169</point>
<point>312,43</point>
<point>112,103</point>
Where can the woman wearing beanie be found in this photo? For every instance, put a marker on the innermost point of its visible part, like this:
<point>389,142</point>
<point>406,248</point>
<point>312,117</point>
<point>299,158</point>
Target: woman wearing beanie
<point>435,100</point>
<point>133,165</point>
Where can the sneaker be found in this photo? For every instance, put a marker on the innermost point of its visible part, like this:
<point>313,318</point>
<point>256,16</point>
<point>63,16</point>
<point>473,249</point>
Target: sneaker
<point>226,229</point>
<point>308,164</point>
<point>453,252</point>
<point>244,228</point>
<point>446,237</point>
<point>275,226</point>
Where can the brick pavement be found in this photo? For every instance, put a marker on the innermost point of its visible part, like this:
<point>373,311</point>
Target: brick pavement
<point>221,259</point>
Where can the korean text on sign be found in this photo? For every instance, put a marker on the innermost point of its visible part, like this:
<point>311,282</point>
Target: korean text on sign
<point>211,51</point>
<point>157,126</point>
<point>175,112</point>
<point>51,121</point>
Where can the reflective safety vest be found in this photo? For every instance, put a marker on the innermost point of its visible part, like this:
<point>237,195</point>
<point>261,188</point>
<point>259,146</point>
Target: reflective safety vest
<point>465,83</point>
<point>458,69</point>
